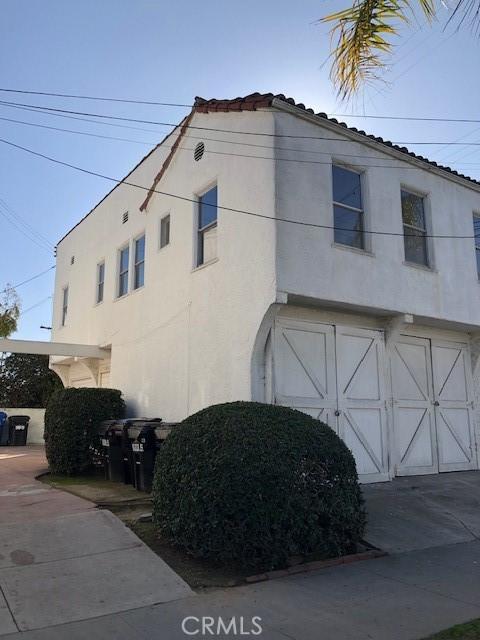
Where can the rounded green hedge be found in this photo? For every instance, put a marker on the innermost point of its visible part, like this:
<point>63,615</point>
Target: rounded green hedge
<point>253,484</point>
<point>72,417</point>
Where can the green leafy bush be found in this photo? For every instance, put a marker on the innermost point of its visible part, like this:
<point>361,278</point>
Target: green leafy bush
<point>71,420</point>
<point>253,484</point>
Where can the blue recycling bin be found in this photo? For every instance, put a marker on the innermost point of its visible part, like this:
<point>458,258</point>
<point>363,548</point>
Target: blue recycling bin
<point>3,429</point>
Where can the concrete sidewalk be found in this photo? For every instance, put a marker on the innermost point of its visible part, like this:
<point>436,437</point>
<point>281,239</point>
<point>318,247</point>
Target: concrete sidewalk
<point>61,559</point>
<point>402,597</point>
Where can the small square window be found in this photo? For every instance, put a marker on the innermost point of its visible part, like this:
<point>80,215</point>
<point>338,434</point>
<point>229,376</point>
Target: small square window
<point>123,263</point>
<point>414,228</point>
<point>165,231</point>
<point>347,207</point>
<point>207,227</point>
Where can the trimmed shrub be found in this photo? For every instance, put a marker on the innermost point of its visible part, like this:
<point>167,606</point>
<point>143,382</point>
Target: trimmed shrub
<point>71,421</point>
<point>252,484</point>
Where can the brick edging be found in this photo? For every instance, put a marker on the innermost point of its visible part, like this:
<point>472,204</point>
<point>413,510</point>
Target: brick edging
<point>317,564</point>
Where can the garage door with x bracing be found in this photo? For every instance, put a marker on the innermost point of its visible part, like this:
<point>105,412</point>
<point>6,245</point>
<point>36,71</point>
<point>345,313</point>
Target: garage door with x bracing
<point>336,374</point>
<point>432,406</point>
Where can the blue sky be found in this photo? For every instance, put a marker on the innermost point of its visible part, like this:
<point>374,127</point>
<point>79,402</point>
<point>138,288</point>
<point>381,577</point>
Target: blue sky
<point>152,50</point>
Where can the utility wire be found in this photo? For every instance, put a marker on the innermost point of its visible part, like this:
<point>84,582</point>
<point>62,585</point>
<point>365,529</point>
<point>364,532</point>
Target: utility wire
<point>34,306</point>
<point>23,231</point>
<point>174,124</point>
<point>180,104</point>
<point>26,225</point>
<point>270,147</point>
<point>100,98</point>
<point>37,275</point>
<point>223,208</point>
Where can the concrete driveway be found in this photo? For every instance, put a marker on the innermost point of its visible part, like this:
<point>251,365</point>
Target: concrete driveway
<point>62,560</point>
<point>420,512</point>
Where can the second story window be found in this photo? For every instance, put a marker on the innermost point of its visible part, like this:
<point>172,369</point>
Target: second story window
<point>207,227</point>
<point>476,233</point>
<point>64,306</point>
<point>100,281</point>
<point>123,261</point>
<point>414,228</point>
<point>164,231</point>
<point>347,207</point>
<point>139,265</point>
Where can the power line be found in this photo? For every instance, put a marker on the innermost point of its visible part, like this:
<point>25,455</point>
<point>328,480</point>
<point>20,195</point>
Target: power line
<point>223,208</point>
<point>23,230</point>
<point>180,104</point>
<point>100,98</point>
<point>174,124</point>
<point>34,306</point>
<point>25,225</point>
<point>38,275</point>
<point>270,147</point>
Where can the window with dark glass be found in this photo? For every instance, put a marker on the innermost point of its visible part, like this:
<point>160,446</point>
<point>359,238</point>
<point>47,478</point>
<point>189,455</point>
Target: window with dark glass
<point>414,228</point>
<point>164,231</point>
<point>64,306</point>
<point>124,259</point>
<point>139,265</point>
<point>100,281</point>
<point>476,234</point>
<point>207,227</point>
<point>347,207</point>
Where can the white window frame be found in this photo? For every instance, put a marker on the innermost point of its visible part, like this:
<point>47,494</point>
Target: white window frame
<point>136,263</point>
<point>164,217</point>
<point>98,283</point>
<point>120,273</point>
<point>427,230</point>
<point>199,233</point>
<point>476,216</point>
<point>366,240</point>
<point>65,294</point>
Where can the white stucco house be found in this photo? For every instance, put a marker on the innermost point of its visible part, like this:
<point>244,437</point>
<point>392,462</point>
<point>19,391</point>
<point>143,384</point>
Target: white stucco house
<point>265,252</point>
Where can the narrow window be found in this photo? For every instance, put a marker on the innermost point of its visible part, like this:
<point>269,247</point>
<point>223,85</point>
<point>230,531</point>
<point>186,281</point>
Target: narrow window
<point>100,281</point>
<point>414,229</point>
<point>347,207</point>
<point>164,231</point>
<point>124,258</point>
<point>476,233</point>
<point>139,266</point>
<point>207,227</point>
<point>64,306</point>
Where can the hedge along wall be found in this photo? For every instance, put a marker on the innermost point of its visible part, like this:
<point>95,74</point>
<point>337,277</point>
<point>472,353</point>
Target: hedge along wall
<point>36,426</point>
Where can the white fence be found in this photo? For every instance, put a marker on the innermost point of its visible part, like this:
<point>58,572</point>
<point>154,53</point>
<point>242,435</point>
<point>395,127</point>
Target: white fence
<point>36,425</point>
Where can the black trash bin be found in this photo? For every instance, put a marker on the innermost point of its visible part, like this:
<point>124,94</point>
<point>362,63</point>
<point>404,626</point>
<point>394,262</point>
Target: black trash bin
<point>17,430</point>
<point>143,451</point>
<point>100,448</point>
<point>118,459</point>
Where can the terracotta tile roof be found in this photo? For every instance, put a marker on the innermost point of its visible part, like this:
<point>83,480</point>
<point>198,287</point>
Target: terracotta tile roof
<point>263,100</point>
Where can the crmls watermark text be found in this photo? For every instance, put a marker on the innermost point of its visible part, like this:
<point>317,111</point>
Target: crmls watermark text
<point>209,626</point>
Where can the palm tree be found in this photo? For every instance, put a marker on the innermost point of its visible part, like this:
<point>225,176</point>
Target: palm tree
<point>361,33</point>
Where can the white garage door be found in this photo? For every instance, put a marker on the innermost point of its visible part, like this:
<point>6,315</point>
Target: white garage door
<point>81,383</point>
<point>433,408</point>
<point>336,374</point>
<point>104,379</point>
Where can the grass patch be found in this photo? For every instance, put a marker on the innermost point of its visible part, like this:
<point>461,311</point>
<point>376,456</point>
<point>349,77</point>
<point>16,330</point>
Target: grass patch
<point>467,631</point>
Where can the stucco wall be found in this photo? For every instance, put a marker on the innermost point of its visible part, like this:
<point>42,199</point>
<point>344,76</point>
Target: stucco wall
<point>310,264</point>
<point>36,425</point>
<point>185,339</point>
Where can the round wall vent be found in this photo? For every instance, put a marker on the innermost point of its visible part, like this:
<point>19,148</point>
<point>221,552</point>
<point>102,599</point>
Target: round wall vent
<point>199,151</point>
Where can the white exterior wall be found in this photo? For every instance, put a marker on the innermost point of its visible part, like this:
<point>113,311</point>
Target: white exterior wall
<point>185,340</point>
<point>310,265</point>
<point>36,426</point>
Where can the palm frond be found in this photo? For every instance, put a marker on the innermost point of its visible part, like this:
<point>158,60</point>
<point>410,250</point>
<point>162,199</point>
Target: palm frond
<point>362,35</point>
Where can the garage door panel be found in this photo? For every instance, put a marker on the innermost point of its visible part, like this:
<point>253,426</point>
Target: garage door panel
<point>455,449</point>
<point>362,429</point>
<point>410,371</point>
<point>361,399</point>
<point>414,440</point>
<point>358,368</point>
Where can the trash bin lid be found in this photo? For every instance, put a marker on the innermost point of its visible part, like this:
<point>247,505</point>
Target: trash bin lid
<point>164,429</point>
<point>19,420</point>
